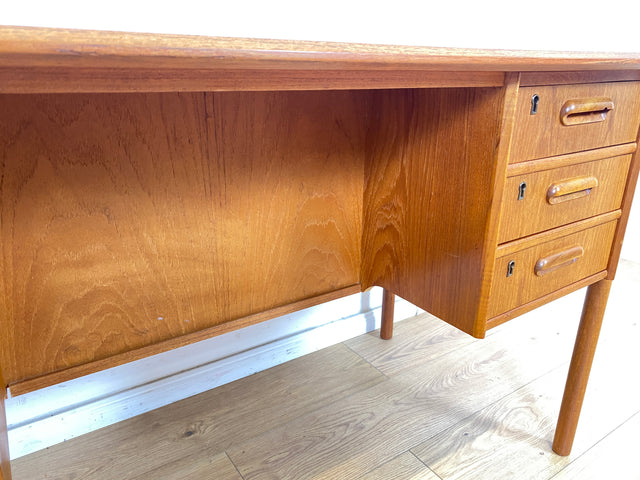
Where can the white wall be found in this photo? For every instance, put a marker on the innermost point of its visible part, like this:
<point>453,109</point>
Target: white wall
<point>541,25</point>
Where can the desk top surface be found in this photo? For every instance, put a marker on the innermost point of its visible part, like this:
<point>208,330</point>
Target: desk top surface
<point>59,48</point>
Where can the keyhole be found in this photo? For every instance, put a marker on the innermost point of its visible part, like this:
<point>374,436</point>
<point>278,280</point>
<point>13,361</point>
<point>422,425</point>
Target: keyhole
<point>521,190</point>
<point>535,100</point>
<point>510,267</point>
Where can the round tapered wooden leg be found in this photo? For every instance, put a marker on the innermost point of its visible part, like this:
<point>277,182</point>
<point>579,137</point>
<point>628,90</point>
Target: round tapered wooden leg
<point>583,352</point>
<point>388,301</point>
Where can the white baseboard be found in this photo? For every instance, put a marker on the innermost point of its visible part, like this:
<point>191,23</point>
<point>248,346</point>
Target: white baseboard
<point>52,415</point>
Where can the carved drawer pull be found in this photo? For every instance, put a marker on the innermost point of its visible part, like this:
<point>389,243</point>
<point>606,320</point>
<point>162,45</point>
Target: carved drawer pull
<point>585,110</point>
<point>558,260</point>
<point>571,189</point>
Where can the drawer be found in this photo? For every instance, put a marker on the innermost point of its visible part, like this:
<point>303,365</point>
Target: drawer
<point>546,199</point>
<point>572,118</point>
<point>548,266</point>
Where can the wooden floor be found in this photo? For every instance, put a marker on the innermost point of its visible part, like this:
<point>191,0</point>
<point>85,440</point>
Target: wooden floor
<point>432,403</point>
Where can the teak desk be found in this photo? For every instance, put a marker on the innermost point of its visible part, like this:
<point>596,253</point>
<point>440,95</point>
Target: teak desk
<point>159,190</point>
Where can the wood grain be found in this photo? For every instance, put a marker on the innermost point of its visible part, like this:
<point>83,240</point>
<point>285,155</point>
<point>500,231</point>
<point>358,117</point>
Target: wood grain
<point>418,343</point>
<point>540,301</point>
<point>508,439</point>
<point>543,135</point>
<point>200,464</point>
<point>429,184</point>
<point>534,213</point>
<point>548,163</point>
<point>524,285</point>
<point>36,383</point>
<point>559,232</point>
<point>583,353</point>
<point>411,347</point>
<point>206,424</point>
<point>502,157</point>
<point>87,80</point>
<point>20,46</point>
<point>128,220</point>
<point>532,79</point>
<point>386,323</point>
<point>403,467</point>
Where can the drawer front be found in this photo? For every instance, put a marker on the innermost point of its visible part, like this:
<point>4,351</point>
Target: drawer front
<point>572,118</point>
<point>547,199</point>
<point>549,266</point>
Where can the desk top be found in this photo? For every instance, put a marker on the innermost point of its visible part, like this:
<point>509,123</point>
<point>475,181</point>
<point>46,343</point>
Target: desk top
<point>84,60</point>
<point>29,46</point>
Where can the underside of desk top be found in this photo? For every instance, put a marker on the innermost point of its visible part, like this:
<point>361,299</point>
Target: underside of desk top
<point>43,60</point>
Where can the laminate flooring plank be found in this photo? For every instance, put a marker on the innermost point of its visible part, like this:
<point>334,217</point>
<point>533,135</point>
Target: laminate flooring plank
<point>404,467</point>
<point>349,437</point>
<point>424,338</point>
<point>197,466</point>
<point>506,440</point>
<point>613,457</point>
<point>512,438</point>
<point>417,341</point>
<point>213,420</point>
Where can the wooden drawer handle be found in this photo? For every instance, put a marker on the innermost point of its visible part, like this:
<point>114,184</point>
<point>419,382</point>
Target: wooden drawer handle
<point>558,260</point>
<point>571,189</point>
<point>585,110</point>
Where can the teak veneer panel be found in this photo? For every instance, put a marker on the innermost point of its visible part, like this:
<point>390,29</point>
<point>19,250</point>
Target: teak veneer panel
<point>128,220</point>
<point>46,60</point>
<point>428,195</point>
<point>558,161</point>
<point>530,79</point>
<point>524,286</point>
<point>25,46</point>
<point>543,135</point>
<point>533,213</point>
<point>176,342</point>
<point>63,80</point>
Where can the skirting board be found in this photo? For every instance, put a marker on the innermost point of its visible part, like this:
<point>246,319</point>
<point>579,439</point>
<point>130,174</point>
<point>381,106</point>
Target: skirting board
<point>52,415</point>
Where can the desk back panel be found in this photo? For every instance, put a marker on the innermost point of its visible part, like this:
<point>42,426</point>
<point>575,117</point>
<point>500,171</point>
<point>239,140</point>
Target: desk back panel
<point>129,219</point>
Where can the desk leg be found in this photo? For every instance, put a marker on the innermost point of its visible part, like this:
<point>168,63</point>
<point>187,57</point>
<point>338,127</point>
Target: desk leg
<point>388,302</point>
<point>5,468</point>
<point>583,352</point>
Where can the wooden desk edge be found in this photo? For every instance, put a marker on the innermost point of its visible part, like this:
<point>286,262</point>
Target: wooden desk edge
<point>59,376</point>
<point>45,60</point>
<point>60,47</point>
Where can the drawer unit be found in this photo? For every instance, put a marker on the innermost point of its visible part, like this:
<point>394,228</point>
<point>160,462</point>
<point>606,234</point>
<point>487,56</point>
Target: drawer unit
<point>523,275</point>
<point>556,119</point>
<point>542,200</point>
